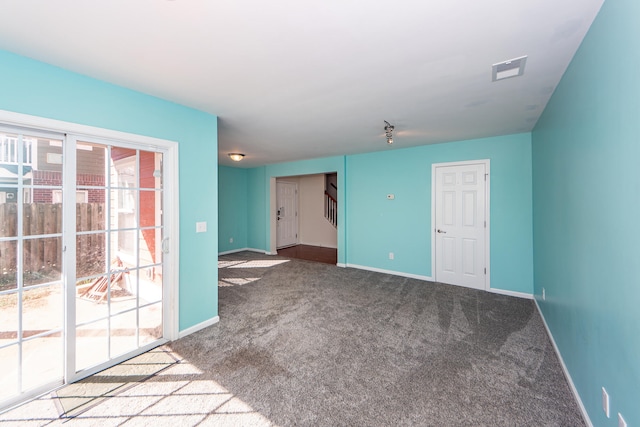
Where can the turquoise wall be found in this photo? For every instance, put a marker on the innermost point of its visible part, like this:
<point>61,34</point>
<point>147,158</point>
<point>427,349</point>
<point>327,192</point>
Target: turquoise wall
<point>39,89</point>
<point>232,208</point>
<point>377,226</point>
<point>257,208</point>
<point>586,199</point>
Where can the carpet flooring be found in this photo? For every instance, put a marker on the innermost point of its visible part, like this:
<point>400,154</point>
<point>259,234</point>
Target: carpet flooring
<point>301,343</point>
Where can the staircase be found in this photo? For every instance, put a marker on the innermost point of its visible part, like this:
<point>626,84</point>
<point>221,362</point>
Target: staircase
<point>331,209</point>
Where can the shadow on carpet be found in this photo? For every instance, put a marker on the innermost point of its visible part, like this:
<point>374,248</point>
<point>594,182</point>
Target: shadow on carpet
<point>76,398</point>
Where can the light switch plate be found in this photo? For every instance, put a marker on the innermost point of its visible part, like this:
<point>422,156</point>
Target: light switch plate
<point>201,227</point>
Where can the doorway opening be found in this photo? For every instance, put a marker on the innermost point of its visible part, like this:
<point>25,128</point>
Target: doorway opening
<point>305,216</point>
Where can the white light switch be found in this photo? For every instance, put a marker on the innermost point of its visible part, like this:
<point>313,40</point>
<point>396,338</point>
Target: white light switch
<point>201,227</point>
<point>391,196</point>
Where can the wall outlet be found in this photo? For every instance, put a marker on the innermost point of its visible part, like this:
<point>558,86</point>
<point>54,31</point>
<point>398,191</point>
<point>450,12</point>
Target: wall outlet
<point>621,421</point>
<point>391,196</point>
<point>391,255</point>
<point>544,297</point>
<point>231,240</point>
<point>605,402</point>
<point>201,227</point>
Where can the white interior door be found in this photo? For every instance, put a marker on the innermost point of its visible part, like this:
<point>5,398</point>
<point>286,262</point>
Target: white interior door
<point>286,214</point>
<point>460,224</point>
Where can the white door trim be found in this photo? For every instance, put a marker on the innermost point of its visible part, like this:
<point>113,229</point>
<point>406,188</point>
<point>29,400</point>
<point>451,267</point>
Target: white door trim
<point>487,231</point>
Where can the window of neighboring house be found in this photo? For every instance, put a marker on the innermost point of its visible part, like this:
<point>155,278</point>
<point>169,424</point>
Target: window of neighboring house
<point>82,196</point>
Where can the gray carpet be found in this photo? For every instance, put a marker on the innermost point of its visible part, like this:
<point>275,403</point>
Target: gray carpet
<point>314,344</point>
<point>79,397</point>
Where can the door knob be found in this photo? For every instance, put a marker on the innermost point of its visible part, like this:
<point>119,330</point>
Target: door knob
<point>440,231</point>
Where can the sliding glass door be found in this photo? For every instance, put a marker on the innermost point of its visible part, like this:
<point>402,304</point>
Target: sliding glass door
<point>81,257</point>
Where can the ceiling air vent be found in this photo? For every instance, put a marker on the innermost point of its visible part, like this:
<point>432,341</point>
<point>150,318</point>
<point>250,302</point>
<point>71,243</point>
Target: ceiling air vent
<point>511,68</point>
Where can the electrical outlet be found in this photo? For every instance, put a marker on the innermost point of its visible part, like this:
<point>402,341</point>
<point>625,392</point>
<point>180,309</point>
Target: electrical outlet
<point>391,255</point>
<point>231,240</point>
<point>605,402</point>
<point>544,297</point>
<point>621,421</point>
<point>201,227</point>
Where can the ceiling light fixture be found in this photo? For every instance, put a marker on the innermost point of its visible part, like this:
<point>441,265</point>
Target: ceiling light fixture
<point>388,131</point>
<point>236,157</point>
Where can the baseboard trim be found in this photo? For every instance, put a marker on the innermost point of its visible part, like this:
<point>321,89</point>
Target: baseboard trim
<point>395,273</point>
<point>567,375</point>
<point>511,293</point>
<point>233,251</point>
<point>341,264</point>
<point>199,326</point>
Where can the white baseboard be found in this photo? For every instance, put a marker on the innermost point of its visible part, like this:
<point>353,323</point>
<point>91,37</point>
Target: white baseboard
<point>340,264</point>
<point>233,251</point>
<point>395,273</point>
<point>196,328</point>
<point>511,293</point>
<point>585,415</point>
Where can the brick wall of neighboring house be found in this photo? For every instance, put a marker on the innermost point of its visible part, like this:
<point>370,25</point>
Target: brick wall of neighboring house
<point>44,195</point>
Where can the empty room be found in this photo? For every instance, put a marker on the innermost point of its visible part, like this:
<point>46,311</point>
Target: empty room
<point>319,213</point>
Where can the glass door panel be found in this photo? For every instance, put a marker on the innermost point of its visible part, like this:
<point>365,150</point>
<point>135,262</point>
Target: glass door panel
<point>121,227</point>
<point>31,287</point>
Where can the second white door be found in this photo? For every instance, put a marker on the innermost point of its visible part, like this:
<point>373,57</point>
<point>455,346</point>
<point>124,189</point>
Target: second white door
<point>460,224</point>
<point>286,214</point>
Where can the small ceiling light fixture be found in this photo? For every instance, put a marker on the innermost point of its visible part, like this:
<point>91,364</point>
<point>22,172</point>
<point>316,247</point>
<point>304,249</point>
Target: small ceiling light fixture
<point>511,68</point>
<point>236,157</point>
<point>388,131</point>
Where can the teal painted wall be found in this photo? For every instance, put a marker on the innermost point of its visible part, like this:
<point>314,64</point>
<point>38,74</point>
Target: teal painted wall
<point>374,226</point>
<point>39,89</point>
<point>257,208</point>
<point>232,208</point>
<point>377,226</point>
<point>586,200</point>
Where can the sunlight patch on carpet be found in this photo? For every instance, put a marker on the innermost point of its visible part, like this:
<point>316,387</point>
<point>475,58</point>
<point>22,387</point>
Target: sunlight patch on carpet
<point>78,397</point>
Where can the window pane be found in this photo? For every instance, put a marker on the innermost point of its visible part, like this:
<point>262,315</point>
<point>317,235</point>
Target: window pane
<point>9,377</point>
<point>42,260</point>
<point>150,323</point>
<point>42,361</point>
<point>41,218</point>
<point>90,164</point>
<point>90,255</point>
<point>9,319</point>
<point>150,170</point>
<point>91,216</point>
<point>8,265</point>
<point>92,343</point>
<point>42,310</point>
<point>123,333</point>
<point>8,210</point>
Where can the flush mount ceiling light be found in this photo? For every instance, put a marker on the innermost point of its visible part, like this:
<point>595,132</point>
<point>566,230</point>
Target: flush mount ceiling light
<point>388,131</point>
<point>511,68</point>
<point>236,157</point>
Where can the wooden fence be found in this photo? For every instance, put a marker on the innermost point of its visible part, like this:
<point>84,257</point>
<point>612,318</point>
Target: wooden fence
<point>43,255</point>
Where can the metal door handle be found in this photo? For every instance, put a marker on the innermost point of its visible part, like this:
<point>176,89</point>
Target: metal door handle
<point>165,245</point>
<point>440,231</point>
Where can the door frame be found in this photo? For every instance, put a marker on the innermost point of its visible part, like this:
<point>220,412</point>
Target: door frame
<point>171,216</point>
<point>487,230</point>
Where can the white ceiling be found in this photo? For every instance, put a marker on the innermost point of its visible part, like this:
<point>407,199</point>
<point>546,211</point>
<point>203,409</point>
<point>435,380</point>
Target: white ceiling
<point>293,79</point>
